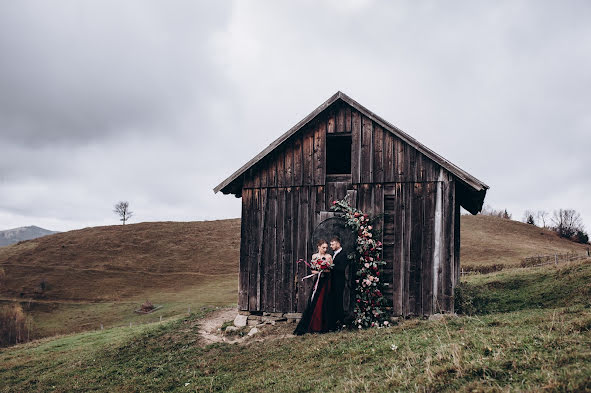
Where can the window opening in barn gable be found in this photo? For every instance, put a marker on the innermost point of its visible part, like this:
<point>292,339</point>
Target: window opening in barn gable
<point>338,154</point>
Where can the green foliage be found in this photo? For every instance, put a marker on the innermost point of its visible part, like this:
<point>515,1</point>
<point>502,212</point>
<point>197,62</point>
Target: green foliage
<point>582,237</point>
<point>370,304</point>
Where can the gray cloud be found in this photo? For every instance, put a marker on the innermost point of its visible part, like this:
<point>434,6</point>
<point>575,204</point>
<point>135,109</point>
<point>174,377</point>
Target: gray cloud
<point>158,102</point>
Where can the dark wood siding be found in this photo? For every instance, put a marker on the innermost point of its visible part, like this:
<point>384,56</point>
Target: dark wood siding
<point>285,195</point>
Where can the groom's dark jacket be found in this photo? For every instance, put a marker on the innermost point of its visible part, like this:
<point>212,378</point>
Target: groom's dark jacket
<point>340,286</point>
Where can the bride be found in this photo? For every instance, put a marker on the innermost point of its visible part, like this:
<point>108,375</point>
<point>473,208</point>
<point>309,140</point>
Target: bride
<point>318,316</point>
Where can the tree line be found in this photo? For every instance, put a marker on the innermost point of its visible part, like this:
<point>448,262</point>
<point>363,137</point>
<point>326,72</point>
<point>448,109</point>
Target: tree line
<point>567,223</point>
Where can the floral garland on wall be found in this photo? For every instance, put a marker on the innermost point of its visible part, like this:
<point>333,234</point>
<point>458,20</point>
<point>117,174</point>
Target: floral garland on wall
<point>370,303</point>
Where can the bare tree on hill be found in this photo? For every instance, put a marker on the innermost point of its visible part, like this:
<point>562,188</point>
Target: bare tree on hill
<point>542,216</point>
<point>567,222</point>
<point>122,210</point>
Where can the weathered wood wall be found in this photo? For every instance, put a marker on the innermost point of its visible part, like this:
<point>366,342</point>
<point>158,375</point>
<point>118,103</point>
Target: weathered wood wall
<point>284,195</point>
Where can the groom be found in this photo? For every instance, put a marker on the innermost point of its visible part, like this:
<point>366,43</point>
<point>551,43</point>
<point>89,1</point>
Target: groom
<point>338,280</point>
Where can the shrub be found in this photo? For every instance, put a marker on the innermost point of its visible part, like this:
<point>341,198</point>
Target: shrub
<point>463,297</point>
<point>582,237</point>
<point>14,324</point>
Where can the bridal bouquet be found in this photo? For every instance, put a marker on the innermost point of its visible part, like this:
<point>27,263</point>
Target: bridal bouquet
<point>321,264</point>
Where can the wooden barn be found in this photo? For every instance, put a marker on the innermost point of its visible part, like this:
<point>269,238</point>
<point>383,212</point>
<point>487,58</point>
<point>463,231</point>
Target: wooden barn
<point>340,149</point>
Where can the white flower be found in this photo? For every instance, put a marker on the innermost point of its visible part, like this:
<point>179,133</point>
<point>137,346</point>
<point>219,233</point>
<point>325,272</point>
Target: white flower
<point>394,347</point>
<point>386,323</point>
<point>366,265</point>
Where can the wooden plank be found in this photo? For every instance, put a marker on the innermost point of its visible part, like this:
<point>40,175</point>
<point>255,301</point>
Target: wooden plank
<point>416,248</point>
<point>388,240</point>
<point>331,121</point>
<point>365,198</point>
<point>340,119</point>
<point>412,164</point>
<point>281,168</point>
<point>366,169</point>
<point>320,203</point>
<point>446,284</point>
<point>254,291</point>
<point>401,160</point>
<point>407,192</point>
<point>256,182</point>
<point>378,207</point>
<point>457,265</point>
<point>397,248</point>
<point>355,147</point>
<point>308,155</point>
<point>268,260</point>
<point>287,253</point>
<point>320,153</point>
<point>288,177</point>
<point>280,264</point>
<point>245,241</point>
<point>264,170</point>
<point>303,220</point>
<point>312,212</point>
<point>378,155</point>
<point>272,172</point>
<point>248,179</point>
<point>298,162</point>
<point>451,278</point>
<point>388,157</point>
<point>348,119</point>
<point>427,249</point>
<point>295,225</point>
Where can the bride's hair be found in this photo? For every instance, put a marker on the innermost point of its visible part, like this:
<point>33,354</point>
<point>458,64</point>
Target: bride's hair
<point>320,242</point>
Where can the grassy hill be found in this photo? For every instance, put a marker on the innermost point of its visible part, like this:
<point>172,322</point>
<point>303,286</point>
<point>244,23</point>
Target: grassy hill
<point>487,240</point>
<point>79,280</point>
<point>530,332</point>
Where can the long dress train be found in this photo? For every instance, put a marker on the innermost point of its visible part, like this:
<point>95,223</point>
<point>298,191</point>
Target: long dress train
<point>319,315</point>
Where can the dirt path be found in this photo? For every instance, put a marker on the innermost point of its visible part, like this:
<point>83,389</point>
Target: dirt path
<point>210,329</point>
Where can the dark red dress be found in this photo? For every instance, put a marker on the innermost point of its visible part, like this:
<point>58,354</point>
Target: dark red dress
<point>319,315</point>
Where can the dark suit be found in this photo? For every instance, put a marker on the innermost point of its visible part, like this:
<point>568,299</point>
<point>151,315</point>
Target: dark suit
<point>339,284</point>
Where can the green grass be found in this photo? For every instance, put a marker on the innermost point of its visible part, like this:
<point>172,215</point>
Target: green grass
<point>533,333</point>
<point>533,288</point>
<point>53,318</point>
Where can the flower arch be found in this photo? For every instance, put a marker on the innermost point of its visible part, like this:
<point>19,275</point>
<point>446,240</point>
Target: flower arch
<point>371,308</point>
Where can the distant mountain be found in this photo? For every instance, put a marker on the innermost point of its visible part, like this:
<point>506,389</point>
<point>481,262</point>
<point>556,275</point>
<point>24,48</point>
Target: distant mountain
<point>12,236</point>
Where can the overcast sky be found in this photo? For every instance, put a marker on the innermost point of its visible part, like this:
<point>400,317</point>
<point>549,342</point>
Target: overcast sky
<point>158,102</point>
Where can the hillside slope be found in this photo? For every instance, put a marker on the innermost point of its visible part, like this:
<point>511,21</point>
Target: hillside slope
<point>84,279</point>
<point>487,240</point>
<point>121,262</point>
<point>535,345</point>
<point>124,262</point>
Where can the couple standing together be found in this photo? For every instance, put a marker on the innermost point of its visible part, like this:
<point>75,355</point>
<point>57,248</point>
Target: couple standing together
<point>325,311</point>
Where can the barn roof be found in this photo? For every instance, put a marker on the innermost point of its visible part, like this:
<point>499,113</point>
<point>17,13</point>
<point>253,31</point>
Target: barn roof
<point>471,196</point>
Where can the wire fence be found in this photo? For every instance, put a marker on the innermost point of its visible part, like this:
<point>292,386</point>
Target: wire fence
<point>533,261</point>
